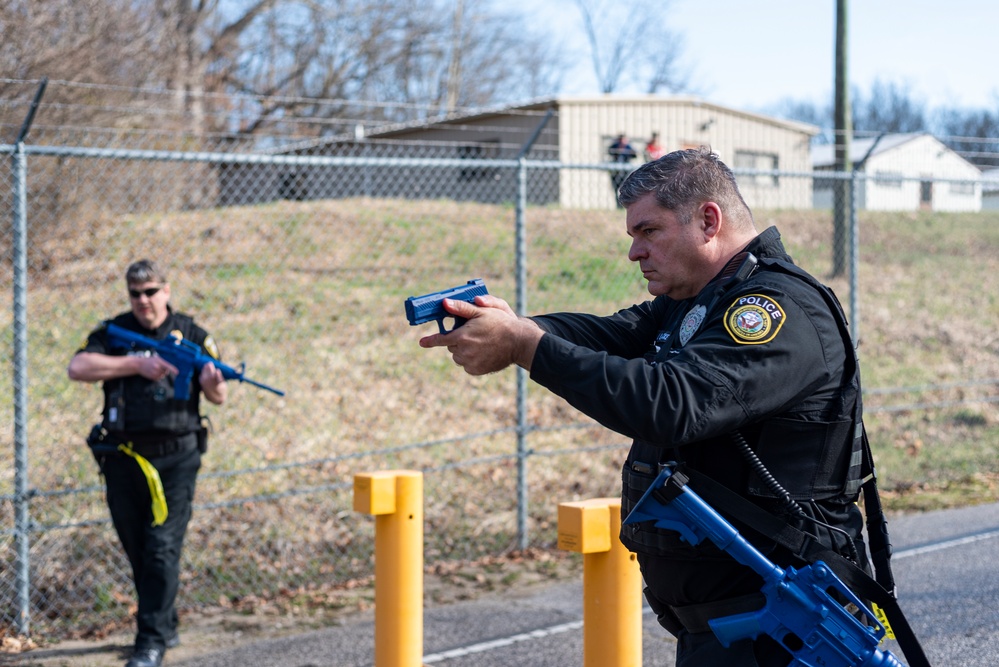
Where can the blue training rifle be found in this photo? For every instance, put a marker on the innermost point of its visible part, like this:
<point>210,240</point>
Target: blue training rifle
<point>801,612</point>
<point>184,354</point>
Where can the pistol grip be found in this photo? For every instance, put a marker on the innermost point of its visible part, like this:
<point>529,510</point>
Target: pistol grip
<point>182,384</point>
<point>458,321</point>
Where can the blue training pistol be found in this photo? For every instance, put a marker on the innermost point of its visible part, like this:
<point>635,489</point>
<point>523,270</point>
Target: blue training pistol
<point>422,309</point>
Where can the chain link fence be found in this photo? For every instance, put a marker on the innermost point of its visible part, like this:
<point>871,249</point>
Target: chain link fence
<point>299,265</point>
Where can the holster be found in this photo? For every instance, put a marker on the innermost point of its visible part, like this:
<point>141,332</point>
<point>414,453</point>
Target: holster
<point>99,443</point>
<point>664,614</point>
<point>694,618</point>
<point>202,433</point>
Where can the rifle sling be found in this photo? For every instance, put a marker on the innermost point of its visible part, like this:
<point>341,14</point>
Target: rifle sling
<point>809,550</point>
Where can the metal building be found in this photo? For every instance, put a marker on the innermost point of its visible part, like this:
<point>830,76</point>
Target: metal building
<point>574,131</point>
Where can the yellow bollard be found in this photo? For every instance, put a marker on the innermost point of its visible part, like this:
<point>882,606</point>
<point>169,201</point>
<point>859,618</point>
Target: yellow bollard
<point>612,582</point>
<point>395,498</point>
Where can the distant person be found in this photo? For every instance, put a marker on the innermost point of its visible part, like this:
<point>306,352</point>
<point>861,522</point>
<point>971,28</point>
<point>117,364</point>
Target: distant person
<point>149,447</point>
<point>620,152</point>
<point>740,369</point>
<point>653,151</point>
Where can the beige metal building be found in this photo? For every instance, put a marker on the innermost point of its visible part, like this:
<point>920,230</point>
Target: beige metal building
<point>743,140</point>
<point>575,132</point>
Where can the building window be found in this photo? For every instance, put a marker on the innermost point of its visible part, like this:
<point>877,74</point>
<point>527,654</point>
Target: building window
<point>758,162</point>
<point>888,179</point>
<point>484,150</point>
<point>963,188</point>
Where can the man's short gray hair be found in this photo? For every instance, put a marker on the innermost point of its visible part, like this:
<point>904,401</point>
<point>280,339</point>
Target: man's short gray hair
<point>144,271</point>
<point>683,180</point>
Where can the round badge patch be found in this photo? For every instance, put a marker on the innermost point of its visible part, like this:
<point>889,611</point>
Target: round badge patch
<point>691,323</point>
<point>754,319</point>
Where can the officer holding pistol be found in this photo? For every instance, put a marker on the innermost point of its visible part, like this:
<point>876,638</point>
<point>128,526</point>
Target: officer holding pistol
<point>149,448</point>
<point>738,350</point>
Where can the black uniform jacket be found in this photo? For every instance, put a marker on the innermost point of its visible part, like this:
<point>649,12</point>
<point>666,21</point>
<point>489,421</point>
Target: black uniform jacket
<point>766,357</point>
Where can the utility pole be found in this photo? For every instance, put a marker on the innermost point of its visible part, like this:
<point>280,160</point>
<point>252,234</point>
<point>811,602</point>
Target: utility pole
<point>454,66</point>
<point>843,132</point>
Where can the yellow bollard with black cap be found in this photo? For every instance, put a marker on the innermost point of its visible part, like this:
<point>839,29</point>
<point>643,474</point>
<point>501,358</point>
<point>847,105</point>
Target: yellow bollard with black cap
<point>395,498</point>
<point>612,582</point>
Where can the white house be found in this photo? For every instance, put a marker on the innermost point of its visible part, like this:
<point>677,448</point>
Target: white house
<point>990,189</point>
<point>904,172</point>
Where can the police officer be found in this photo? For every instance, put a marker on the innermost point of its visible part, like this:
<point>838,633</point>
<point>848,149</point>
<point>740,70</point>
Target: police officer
<point>740,370</point>
<point>149,448</point>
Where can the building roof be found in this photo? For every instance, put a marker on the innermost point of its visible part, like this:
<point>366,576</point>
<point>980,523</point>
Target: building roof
<point>540,105</point>
<point>860,149</point>
<point>674,100</point>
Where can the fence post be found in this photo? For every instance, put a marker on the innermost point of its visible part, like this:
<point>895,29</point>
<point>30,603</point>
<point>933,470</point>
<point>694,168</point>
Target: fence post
<point>22,518</point>
<point>854,258</point>
<point>520,261</point>
<point>395,498</point>
<point>612,582</point>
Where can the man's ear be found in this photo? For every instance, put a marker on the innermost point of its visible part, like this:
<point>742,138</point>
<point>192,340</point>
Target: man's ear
<point>710,217</point>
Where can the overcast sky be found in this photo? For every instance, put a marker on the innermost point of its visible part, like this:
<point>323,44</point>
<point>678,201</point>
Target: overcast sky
<point>754,53</point>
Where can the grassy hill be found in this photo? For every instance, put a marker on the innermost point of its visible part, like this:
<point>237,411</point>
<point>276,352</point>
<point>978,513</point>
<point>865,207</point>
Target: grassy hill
<point>310,295</point>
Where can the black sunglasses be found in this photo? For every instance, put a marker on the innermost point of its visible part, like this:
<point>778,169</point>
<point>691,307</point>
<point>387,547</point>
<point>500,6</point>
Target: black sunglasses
<point>149,291</point>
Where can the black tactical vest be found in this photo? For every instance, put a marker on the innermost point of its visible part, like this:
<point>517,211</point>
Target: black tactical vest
<point>134,405</point>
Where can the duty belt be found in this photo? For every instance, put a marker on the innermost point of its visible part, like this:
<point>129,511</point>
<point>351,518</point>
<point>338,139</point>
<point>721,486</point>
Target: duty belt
<point>695,617</point>
<point>156,447</point>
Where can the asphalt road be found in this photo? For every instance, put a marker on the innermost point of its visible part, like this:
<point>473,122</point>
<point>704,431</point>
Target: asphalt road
<point>944,565</point>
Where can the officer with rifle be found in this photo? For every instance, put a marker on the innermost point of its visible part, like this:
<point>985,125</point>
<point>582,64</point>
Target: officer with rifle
<point>149,446</point>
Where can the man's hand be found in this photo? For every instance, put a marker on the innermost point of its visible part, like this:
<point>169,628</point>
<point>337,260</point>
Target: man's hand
<point>213,384</point>
<point>492,338</point>
<point>154,368</point>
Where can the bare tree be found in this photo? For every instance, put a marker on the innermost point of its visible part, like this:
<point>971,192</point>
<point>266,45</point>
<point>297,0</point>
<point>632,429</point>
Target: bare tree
<point>404,59</point>
<point>195,42</point>
<point>97,41</point>
<point>629,44</point>
<point>303,66</point>
<point>889,107</point>
<point>974,133</point>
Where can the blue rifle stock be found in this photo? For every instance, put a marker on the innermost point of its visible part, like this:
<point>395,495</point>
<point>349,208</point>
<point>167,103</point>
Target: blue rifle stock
<point>800,611</point>
<point>423,309</point>
<point>184,354</point>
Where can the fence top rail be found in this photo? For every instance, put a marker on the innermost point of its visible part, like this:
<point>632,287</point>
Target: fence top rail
<point>218,157</point>
<point>252,158</point>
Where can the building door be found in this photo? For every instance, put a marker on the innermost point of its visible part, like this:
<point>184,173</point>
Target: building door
<point>926,195</point>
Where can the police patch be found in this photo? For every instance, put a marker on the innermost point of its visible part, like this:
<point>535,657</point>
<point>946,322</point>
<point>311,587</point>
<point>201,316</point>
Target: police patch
<point>212,348</point>
<point>691,323</point>
<point>754,319</point>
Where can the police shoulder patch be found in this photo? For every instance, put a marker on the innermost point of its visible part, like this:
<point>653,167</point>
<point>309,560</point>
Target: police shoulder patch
<point>211,347</point>
<point>754,319</point>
